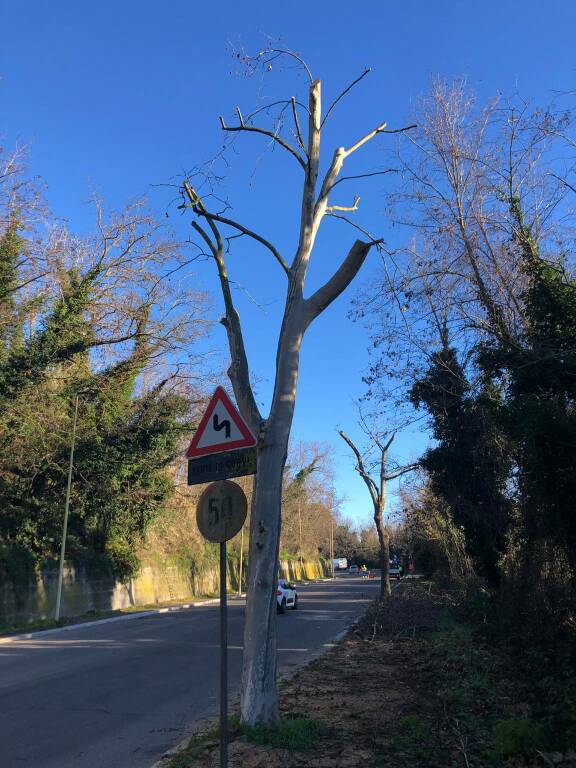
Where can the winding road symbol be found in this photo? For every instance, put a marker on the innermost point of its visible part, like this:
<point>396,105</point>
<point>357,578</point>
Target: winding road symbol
<point>218,425</point>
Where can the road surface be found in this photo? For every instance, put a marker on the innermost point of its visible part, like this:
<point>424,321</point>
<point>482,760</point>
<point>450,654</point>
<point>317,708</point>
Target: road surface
<point>118,695</point>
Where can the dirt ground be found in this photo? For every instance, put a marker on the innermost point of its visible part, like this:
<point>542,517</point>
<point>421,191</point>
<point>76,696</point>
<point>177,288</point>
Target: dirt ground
<point>406,688</point>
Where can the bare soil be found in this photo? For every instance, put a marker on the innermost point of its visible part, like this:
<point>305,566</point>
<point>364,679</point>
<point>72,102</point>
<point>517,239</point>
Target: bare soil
<point>406,688</point>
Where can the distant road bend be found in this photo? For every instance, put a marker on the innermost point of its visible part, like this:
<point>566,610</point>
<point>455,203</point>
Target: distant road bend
<point>118,695</point>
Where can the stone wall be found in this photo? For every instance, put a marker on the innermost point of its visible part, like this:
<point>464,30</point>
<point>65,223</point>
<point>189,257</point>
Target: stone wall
<point>87,589</point>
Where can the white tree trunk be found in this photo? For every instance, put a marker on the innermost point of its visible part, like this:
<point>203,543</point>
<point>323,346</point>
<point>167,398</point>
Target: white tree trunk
<point>259,701</point>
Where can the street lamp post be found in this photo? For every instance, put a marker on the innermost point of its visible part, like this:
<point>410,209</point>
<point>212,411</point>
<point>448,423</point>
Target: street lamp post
<point>66,508</point>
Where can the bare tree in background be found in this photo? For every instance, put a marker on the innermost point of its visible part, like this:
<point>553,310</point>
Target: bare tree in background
<point>259,694</point>
<point>458,278</point>
<point>378,493</point>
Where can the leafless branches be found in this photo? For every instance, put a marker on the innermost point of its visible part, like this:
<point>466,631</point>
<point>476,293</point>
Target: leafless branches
<point>247,128</point>
<point>238,372</point>
<point>342,94</point>
<point>459,278</point>
<point>200,210</point>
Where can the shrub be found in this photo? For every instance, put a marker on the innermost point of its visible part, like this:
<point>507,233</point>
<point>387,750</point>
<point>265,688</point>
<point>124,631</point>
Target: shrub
<point>517,736</point>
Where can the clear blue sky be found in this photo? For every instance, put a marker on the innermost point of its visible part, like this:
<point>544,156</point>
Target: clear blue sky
<point>119,95</point>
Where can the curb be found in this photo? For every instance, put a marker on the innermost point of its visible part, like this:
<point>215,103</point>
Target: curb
<point>123,617</point>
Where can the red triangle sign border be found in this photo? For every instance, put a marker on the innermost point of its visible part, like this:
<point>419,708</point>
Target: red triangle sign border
<point>247,441</point>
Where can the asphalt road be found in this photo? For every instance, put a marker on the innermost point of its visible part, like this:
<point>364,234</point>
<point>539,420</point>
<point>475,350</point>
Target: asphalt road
<point>118,695</point>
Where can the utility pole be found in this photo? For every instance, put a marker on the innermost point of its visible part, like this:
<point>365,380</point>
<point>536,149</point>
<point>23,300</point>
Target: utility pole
<point>66,508</point>
<point>300,527</point>
<point>332,547</point>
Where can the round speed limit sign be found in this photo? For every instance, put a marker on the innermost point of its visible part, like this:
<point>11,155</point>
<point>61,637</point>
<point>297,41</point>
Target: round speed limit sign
<point>221,511</point>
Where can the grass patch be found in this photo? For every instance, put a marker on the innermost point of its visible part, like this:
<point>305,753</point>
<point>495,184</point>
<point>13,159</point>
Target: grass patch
<point>21,627</point>
<point>295,734</point>
<point>517,736</point>
<point>453,638</point>
<point>412,737</point>
<point>298,734</point>
<point>39,625</point>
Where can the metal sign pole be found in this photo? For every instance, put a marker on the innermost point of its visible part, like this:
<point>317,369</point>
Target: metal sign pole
<point>223,661</point>
<point>220,515</point>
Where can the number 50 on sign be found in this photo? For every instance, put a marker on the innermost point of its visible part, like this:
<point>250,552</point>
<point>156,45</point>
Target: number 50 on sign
<point>221,511</point>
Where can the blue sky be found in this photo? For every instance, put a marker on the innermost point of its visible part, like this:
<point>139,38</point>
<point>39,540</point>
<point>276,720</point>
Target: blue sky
<point>122,95</point>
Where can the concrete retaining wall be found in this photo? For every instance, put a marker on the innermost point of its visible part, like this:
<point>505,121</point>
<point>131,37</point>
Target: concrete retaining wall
<point>85,589</point>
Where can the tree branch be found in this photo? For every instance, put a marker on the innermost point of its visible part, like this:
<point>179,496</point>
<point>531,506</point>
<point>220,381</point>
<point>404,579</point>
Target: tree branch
<point>340,155</point>
<point>204,235</point>
<point>19,287</point>
<point>339,281</point>
<point>250,233</point>
<point>379,129</point>
<point>254,129</point>
<point>401,471</point>
<point>388,444</point>
<point>372,487</point>
<point>297,125</point>
<point>342,94</point>
<point>363,176</point>
<point>563,181</point>
<point>238,372</point>
<point>345,208</point>
<point>307,215</point>
<point>356,226</point>
<point>292,54</point>
<point>364,139</point>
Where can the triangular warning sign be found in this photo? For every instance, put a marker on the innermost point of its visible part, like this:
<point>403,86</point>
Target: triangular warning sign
<point>221,428</point>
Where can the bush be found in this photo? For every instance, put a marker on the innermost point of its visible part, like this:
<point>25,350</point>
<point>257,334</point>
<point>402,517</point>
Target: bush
<point>16,563</point>
<point>125,561</point>
<point>517,736</point>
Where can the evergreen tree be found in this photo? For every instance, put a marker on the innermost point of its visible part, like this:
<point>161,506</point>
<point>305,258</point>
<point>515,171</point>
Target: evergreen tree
<point>470,465</point>
<point>540,416</point>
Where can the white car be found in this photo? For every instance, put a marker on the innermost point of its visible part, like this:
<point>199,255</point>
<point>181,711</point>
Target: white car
<point>286,596</point>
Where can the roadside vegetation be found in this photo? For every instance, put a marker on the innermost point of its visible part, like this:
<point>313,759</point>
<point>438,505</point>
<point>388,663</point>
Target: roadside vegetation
<point>419,683</point>
<point>95,321</point>
<point>474,333</point>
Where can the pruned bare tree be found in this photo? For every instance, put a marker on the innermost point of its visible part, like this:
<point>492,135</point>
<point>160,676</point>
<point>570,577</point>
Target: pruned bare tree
<point>378,493</point>
<point>259,695</point>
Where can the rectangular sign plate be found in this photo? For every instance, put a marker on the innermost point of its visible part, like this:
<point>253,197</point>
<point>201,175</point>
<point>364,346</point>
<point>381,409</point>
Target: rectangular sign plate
<point>222,466</point>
